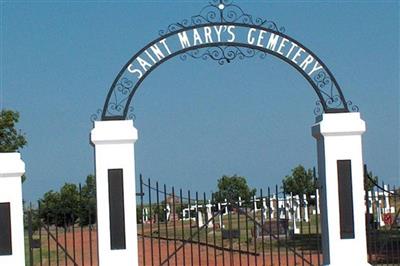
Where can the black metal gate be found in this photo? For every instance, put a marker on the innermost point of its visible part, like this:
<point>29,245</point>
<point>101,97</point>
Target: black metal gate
<point>185,228</point>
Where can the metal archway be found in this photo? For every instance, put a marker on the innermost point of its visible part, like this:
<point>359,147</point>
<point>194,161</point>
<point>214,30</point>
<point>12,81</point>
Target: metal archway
<point>223,32</point>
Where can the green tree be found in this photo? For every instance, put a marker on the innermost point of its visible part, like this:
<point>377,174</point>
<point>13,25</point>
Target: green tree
<point>69,205</point>
<point>60,208</point>
<point>11,139</point>
<point>49,207</point>
<point>233,187</point>
<point>300,182</point>
<point>88,201</point>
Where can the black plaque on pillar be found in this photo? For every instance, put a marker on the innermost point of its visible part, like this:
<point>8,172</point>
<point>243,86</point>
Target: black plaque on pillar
<point>116,203</point>
<point>5,229</point>
<point>345,199</point>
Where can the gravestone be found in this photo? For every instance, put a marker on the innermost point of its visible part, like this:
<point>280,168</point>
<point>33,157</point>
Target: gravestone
<point>230,234</point>
<point>273,227</point>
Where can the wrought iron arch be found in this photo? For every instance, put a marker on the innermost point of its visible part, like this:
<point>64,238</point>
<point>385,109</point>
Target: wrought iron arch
<point>220,13</point>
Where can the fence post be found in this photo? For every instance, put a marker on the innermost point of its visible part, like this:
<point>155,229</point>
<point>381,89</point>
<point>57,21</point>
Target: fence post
<point>116,194</point>
<point>340,169</point>
<point>11,210</point>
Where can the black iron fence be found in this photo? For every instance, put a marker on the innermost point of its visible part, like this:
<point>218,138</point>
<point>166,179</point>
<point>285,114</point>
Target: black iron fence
<point>181,227</point>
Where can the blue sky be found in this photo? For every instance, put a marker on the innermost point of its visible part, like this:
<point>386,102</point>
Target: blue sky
<point>197,120</point>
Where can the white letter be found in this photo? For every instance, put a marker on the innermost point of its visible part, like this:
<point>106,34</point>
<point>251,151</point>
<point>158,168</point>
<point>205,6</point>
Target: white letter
<point>163,41</point>
<point>284,40</point>
<point>207,34</point>
<point>183,38</point>
<point>143,63</point>
<point>218,31</point>
<point>273,39</point>
<point>297,55</point>
<point>291,49</point>
<point>250,39</point>
<point>157,52</point>
<point>196,37</point>
<point>306,62</point>
<point>135,71</point>
<point>260,38</point>
<point>315,68</point>
<point>231,33</point>
<point>149,55</point>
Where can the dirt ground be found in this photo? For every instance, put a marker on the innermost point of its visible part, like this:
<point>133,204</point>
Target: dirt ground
<point>191,255</point>
<point>188,255</point>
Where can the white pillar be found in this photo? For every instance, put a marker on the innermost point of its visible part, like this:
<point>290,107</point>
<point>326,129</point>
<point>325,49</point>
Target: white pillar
<point>11,170</point>
<point>339,138</point>
<point>114,150</point>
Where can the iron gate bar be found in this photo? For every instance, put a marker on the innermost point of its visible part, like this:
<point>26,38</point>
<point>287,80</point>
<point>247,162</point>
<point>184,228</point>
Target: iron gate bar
<point>385,244</point>
<point>40,236</point>
<point>247,238</point>
<point>158,223</point>
<point>190,229</point>
<point>230,234</point>
<point>90,231</point>
<point>151,226</point>
<point>309,226</point>
<point>254,226</point>
<point>30,233</point>
<point>277,217</point>
<point>183,231</point>
<point>197,226</point>
<point>166,219</point>
<point>65,239</point>
<point>222,239</point>
<point>206,231</point>
<point>47,229</point>
<point>368,224</point>
<point>270,226</point>
<point>142,210</point>
<point>73,238</point>
<point>316,211</point>
<point>215,241</point>
<point>391,240</point>
<point>174,212</point>
<point>81,227</point>
<point>262,228</point>
<point>396,218</point>
<point>57,254</point>
<point>238,225</point>
<point>48,237</point>
<point>286,218</point>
